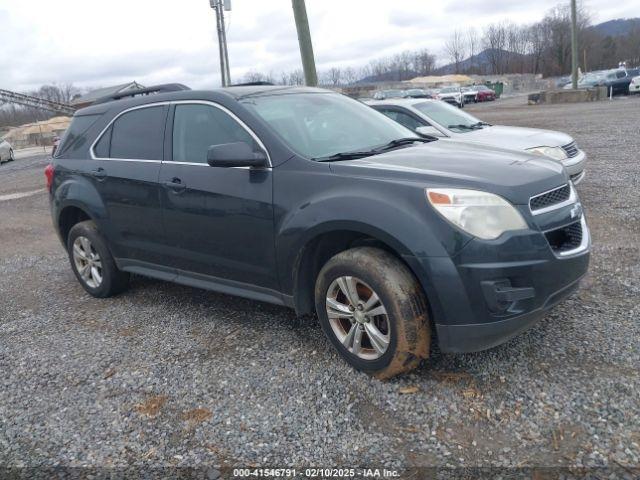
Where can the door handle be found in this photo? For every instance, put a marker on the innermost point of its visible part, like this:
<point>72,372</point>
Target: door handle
<point>99,173</point>
<point>176,185</point>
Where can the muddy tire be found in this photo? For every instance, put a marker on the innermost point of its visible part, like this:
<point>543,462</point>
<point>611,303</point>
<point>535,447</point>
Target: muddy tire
<point>373,311</point>
<point>92,262</point>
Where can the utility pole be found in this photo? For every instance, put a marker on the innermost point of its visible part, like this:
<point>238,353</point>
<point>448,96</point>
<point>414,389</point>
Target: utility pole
<point>574,45</point>
<point>304,39</point>
<point>219,6</point>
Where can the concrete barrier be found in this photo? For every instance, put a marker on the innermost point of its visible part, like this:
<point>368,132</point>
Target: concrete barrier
<point>568,96</point>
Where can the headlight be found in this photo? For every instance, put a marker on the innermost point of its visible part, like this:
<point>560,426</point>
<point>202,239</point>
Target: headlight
<point>481,214</point>
<point>557,153</point>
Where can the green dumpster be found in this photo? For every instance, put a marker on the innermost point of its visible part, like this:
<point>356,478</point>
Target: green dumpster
<point>497,87</point>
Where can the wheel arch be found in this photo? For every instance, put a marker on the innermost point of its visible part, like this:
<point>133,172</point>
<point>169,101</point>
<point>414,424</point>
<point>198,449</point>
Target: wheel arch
<point>328,240</point>
<point>70,215</point>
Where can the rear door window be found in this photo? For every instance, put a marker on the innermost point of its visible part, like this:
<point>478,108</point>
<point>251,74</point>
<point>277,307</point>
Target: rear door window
<point>196,127</point>
<point>139,134</point>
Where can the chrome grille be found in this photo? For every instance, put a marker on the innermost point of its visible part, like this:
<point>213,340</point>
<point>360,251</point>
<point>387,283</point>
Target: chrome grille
<point>565,238</point>
<point>571,149</point>
<point>550,198</point>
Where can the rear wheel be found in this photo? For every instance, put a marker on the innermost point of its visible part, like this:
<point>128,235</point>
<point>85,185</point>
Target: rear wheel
<point>11,157</point>
<point>92,262</point>
<point>373,311</point>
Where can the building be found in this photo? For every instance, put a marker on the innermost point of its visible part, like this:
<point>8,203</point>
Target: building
<point>88,98</point>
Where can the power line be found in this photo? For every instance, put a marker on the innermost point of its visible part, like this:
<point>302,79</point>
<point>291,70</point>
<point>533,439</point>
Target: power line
<point>35,102</point>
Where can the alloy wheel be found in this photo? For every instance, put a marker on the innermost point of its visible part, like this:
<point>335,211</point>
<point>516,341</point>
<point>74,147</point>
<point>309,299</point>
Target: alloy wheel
<point>358,317</point>
<point>87,262</point>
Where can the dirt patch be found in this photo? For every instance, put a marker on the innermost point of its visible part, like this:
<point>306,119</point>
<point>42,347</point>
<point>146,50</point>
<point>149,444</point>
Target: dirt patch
<point>197,415</point>
<point>152,406</point>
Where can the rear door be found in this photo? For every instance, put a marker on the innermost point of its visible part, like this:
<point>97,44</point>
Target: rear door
<point>127,163</point>
<point>218,221</point>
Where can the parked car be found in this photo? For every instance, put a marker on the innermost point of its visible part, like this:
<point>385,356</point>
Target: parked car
<point>452,95</point>
<point>439,119</point>
<point>306,198</point>
<point>485,94</point>
<point>618,81</point>
<point>562,82</point>
<point>634,85</point>
<point>383,94</point>
<point>417,93</point>
<point>589,80</point>
<point>478,93</point>
<point>6,152</point>
<point>470,94</point>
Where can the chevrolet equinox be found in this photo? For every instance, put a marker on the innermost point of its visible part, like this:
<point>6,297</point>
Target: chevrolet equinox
<point>306,198</point>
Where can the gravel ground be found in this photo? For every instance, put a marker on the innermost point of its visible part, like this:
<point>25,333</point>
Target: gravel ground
<point>166,375</point>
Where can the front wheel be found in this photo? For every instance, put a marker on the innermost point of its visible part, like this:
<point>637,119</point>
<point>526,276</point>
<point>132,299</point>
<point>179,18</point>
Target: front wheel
<point>11,157</point>
<point>373,311</point>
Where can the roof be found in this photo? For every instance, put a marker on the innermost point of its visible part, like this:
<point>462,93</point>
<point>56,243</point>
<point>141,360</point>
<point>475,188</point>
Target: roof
<point>236,93</point>
<point>103,92</point>
<point>259,90</point>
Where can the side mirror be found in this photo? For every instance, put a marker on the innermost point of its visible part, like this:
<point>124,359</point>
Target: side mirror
<point>429,131</point>
<point>238,154</point>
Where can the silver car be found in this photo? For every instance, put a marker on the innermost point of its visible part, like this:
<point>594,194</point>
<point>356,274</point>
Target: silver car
<point>439,119</point>
<point>6,151</point>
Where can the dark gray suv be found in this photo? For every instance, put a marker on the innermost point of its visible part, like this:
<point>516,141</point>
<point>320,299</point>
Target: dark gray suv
<point>306,198</point>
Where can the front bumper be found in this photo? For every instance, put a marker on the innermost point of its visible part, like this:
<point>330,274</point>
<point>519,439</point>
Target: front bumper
<point>493,290</point>
<point>575,166</point>
<point>451,100</point>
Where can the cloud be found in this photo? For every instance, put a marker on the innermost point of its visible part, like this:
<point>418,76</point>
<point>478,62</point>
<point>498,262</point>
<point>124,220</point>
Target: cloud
<point>151,41</point>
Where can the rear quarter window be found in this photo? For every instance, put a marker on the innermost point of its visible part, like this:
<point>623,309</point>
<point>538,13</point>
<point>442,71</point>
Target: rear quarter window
<point>74,137</point>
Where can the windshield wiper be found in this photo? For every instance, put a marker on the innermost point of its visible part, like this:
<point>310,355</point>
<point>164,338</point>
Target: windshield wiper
<point>464,127</point>
<point>367,153</point>
<point>345,156</point>
<point>481,124</point>
<point>404,141</point>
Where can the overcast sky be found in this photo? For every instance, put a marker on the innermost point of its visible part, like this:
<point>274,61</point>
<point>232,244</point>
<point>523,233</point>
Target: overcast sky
<point>101,43</point>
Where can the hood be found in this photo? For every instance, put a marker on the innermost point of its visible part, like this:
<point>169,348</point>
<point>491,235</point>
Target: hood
<point>449,163</point>
<point>518,138</point>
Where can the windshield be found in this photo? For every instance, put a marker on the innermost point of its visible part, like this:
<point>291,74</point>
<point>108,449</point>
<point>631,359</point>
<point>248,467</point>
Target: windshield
<point>591,77</point>
<point>449,117</point>
<point>323,124</point>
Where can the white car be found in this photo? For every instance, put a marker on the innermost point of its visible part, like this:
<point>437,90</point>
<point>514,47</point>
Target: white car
<point>634,86</point>
<point>6,152</point>
<point>439,119</point>
<point>452,95</point>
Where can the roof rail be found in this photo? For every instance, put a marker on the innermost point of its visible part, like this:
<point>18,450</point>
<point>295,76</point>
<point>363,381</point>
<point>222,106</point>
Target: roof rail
<point>167,87</point>
<point>252,84</point>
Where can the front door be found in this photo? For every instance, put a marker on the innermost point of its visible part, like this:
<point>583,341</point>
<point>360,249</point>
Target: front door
<point>218,221</point>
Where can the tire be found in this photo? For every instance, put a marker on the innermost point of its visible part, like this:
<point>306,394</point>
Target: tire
<point>112,281</point>
<point>404,325</point>
<point>11,157</point>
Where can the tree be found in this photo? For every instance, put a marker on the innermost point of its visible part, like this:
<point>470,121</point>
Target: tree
<point>455,46</point>
<point>473,42</point>
<point>494,42</point>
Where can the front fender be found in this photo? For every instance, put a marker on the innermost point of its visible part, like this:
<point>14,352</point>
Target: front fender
<point>400,223</point>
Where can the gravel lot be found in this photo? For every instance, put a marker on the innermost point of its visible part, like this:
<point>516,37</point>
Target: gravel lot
<point>166,375</point>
